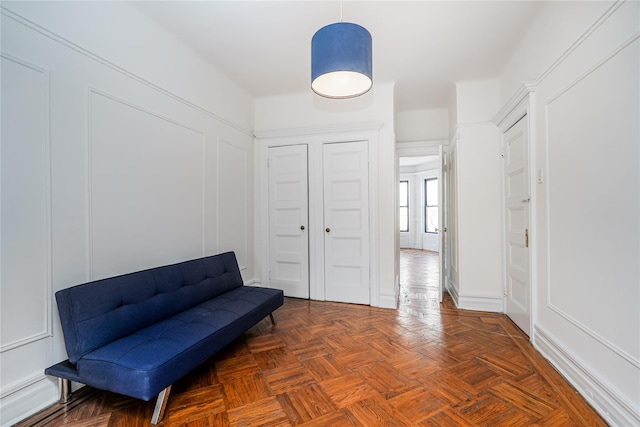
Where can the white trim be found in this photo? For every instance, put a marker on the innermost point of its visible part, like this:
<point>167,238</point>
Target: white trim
<point>89,164</point>
<point>47,325</point>
<point>634,361</point>
<point>580,40</point>
<point>613,407</point>
<point>219,180</point>
<point>514,103</point>
<point>71,45</point>
<point>19,401</point>
<point>481,302</point>
<point>591,70</point>
<point>521,107</point>
<point>318,130</point>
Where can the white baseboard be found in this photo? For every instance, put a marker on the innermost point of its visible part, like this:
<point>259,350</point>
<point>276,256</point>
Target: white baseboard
<point>254,282</point>
<point>36,394</point>
<point>615,409</point>
<point>387,301</point>
<point>490,303</point>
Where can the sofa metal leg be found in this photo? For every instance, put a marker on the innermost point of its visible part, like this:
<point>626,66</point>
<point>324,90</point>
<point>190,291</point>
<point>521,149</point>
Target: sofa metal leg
<point>65,389</point>
<point>273,321</point>
<point>161,405</point>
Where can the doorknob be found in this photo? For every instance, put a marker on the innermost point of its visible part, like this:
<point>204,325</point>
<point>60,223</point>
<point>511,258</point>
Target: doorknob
<point>302,227</point>
<point>328,230</point>
<point>436,229</point>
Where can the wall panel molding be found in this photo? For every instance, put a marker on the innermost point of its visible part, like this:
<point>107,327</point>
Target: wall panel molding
<point>95,57</point>
<point>609,403</point>
<point>45,142</point>
<point>575,45</point>
<point>555,305</point>
<point>93,95</point>
<point>223,183</point>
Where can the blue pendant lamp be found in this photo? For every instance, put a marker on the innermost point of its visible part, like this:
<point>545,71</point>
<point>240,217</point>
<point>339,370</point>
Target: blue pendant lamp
<point>341,61</point>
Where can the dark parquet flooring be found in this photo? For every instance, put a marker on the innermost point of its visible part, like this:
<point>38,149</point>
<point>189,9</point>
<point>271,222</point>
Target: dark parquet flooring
<point>332,364</point>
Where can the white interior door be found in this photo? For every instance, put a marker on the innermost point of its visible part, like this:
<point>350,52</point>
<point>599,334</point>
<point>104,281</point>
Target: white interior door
<point>516,167</point>
<point>288,220</point>
<point>346,220</point>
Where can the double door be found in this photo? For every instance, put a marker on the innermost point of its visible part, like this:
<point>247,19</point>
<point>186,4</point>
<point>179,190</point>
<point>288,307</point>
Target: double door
<point>337,240</point>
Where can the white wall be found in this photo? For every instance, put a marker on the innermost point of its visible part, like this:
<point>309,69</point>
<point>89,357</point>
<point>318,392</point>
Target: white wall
<point>586,144</point>
<point>306,112</point>
<point>556,26</point>
<point>475,277</point>
<point>111,162</point>
<point>422,125</point>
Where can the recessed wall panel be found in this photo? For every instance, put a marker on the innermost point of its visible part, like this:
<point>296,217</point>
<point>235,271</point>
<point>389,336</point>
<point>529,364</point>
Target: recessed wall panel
<point>594,200</point>
<point>25,191</point>
<point>233,200</point>
<point>146,188</point>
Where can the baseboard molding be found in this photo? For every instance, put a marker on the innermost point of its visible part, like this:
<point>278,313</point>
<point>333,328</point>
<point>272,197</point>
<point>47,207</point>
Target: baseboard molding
<point>254,282</point>
<point>615,409</point>
<point>39,393</point>
<point>490,303</point>
<point>387,301</point>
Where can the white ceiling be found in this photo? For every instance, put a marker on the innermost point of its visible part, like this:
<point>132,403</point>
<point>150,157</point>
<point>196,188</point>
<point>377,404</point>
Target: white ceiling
<point>424,46</point>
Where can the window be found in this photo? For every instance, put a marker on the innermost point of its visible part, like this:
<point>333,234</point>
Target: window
<point>431,205</point>
<point>404,206</point>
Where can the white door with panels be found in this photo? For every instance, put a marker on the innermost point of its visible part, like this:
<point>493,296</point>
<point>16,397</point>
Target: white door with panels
<point>288,220</point>
<point>346,222</point>
<point>517,197</point>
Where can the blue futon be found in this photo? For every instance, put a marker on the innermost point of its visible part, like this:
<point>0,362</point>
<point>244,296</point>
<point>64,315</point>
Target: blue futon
<point>138,333</point>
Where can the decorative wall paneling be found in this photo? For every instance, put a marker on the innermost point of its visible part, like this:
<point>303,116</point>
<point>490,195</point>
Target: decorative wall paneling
<point>585,157</point>
<point>103,173</point>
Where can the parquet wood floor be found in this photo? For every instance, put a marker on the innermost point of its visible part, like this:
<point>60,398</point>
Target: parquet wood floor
<point>331,364</point>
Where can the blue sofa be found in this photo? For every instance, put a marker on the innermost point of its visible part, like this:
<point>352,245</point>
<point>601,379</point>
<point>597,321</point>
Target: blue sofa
<point>138,333</point>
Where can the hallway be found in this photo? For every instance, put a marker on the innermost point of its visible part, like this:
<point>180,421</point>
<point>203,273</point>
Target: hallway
<point>420,282</point>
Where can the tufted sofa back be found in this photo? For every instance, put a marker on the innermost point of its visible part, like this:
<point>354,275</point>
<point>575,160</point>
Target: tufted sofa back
<point>96,313</point>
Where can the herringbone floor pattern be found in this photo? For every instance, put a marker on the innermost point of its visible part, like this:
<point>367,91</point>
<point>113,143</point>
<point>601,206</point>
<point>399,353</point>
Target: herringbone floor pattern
<point>331,364</point>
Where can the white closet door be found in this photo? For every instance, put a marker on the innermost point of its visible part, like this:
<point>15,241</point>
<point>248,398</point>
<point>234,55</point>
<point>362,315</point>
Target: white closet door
<point>346,221</point>
<point>288,220</point>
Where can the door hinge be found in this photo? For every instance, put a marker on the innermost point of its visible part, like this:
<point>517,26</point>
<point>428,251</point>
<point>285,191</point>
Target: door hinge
<point>526,237</point>
<point>267,162</point>
<point>502,153</point>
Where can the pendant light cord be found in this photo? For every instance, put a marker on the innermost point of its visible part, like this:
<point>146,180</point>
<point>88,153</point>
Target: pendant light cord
<point>340,10</point>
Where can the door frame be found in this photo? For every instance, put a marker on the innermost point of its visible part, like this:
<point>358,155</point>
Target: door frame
<point>438,148</point>
<point>521,105</point>
<point>315,138</point>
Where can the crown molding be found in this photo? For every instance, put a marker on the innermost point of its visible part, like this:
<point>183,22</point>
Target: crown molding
<point>317,130</point>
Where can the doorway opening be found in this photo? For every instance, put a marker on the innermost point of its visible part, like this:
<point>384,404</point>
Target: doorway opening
<point>420,203</point>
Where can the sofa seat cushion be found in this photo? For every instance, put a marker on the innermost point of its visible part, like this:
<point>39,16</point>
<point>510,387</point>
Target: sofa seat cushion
<point>142,364</point>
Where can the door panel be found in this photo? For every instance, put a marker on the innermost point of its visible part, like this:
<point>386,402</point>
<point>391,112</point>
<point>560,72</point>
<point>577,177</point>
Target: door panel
<point>516,167</point>
<point>288,220</point>
<point>346,217</point>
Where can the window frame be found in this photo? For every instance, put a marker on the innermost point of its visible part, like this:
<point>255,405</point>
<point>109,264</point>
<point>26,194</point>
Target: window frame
<point>427,205</point>
<point>402,206</point>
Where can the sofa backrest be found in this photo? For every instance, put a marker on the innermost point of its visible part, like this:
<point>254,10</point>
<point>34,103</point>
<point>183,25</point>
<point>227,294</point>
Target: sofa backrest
<point>96,313</point>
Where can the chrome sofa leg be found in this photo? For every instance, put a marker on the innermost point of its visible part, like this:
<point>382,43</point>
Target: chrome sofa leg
<point>65,389</point>
<point>273,321</point>
<point>161,405</point>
